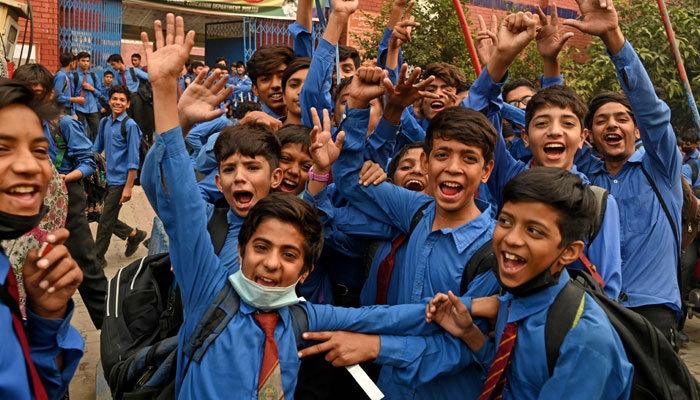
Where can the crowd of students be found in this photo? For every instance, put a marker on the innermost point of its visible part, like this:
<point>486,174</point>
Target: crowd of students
<point>418,224</point>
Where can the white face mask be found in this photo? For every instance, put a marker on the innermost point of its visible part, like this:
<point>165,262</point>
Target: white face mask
<point>263,297</point>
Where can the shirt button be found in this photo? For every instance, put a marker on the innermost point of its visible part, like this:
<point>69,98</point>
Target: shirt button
<point>614,180</point>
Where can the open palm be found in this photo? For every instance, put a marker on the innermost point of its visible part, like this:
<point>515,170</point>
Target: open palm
<point>172,50</point>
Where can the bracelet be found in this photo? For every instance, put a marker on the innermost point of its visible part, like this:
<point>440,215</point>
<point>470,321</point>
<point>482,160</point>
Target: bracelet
<point>318,178</point>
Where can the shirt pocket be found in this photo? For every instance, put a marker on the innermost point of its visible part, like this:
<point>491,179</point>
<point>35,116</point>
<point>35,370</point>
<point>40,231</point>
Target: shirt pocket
<point>636,211</point>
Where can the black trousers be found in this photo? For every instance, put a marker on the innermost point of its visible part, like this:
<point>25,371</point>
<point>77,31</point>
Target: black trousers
<point>82,248</point>
<point>109,221</point>
<point>93,122</point>
<point>662,317</point>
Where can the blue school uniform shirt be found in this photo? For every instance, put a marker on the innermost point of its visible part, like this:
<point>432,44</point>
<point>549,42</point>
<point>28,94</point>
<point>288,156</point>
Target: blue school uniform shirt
<point>91,105</point>
<point>317,86</point>
<point>687,172</point>
<point>200,133</point>
<point>201,277</point>
<point>303,40</point>
<point>267,110</point>
<point>121,154</point>
<point>604,251</point>
<point>131,84</point>
<point>47,338</point>
<point>104,92</point>
<point>63,88</point>
<point>79,147</point>
<point>648,248</point>
<point>382,54</point>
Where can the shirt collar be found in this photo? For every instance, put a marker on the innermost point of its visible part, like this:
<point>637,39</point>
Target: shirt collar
<point>267,110</point>
<point>119,118</point>
<point>466,234</point>
<point>523,307</point>
<point>234,220</point>
<point>283,312</point>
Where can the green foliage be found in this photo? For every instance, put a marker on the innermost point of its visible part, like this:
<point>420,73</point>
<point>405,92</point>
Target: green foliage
<point>368,42</point>
<point>642,25</point>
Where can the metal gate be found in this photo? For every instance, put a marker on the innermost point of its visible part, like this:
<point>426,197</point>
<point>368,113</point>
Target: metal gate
<point>94,26</point>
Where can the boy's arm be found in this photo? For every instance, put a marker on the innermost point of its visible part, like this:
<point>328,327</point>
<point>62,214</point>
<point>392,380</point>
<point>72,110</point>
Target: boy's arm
<point>397,10</point>
<point>98,146</point>
<point>604,251</point>
<point>59,80</point>
<point>400,34</point>
<point>301,29</point>
<point>141,74</point>
<point>133,135</point>
<point>79,149</point>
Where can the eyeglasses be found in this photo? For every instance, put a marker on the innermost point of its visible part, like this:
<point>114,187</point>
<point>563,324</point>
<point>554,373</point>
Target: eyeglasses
<point>524,101</point>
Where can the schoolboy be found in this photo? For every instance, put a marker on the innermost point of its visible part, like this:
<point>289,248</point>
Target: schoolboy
<point>122,160</point>
<point>87,85</point>
<point>295,158</point>
<point>292,82</point>
<point>73,160</point>
<point>447,79</point>
<point>554,131</point>
<point>136,62</point>
<point>349,61</point>
<point>107,82</point>
<point>406,170</point>
<point>541,229</point>
<point>265,69</point>
<point>648,248</point>
<point>139,109</point>
<point>50,280</point>
<point>517,94</point>
<point>62,87</point>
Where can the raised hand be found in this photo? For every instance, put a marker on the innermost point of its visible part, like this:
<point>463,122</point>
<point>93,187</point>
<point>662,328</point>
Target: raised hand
<point>172,51</point>
<point>486,39</point>
<point>346,7</point>
<point>366,85</point>
<point>200,102</point>
<point>514,34</point>
<point>406,91</point>
<point>550,39</point>
<point>51,280</point>
<point>371,173</point>
<point>344,348</point>
<point>324,151</point>
<point>599,19</point>
<point>260,117</point>
<point>402,30</point>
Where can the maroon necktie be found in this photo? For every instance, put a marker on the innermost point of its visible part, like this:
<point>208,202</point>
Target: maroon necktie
<point>385,269</point>
<point>270,378</point>
<point>496,378</point>
<point>38,387</point>
<point>124,78</point>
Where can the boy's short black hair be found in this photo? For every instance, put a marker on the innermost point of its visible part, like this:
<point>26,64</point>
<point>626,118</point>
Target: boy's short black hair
<point>345,52</point>
<point>394,163</point>
<point>520,82</point>
<point>221,58</point>
<point>196,64</point>
<point>66,58</point>
<point>119,89</point>
<point>294,66</point>
<point>560,189</point>
<point>556,96</point>
<point>13,91</point>
<point>82,54</point>
<point>465,126</point>
<point>688,135</point>
<point>246,107</point>
<point>464,87</point>
<point>288,208</point>
<point>35,74</point>
<point>604,98</point>
<point>109,73</point>
<point>115,58</point>
<point>449,73</point>
<point>250,140</point>
<point>267,59</point>
<point>345,82</point>
<point>136,55</point>
<point>294,133</point>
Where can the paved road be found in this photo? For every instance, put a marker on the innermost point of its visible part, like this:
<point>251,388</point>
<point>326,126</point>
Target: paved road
<point>138,213</point>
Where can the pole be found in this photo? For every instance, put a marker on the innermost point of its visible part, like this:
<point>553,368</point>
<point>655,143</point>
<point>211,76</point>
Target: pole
<point>467,36</point>
<point>679,63</point>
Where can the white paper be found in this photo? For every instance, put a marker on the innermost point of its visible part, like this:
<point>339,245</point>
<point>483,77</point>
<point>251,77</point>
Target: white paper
<point>365,382</point>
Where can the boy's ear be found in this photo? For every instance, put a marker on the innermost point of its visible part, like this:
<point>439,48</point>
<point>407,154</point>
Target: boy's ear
<point>584,135</point>
<point>570,254</point>
<point>240,258</point>
<point>217,180</point>
<point>486,172</point>
<point>424,161</point>
<point>303,276</point>
<point>255,90</point>
<point>525,137</point>
<point>276,178</point>
<point>636,132</point>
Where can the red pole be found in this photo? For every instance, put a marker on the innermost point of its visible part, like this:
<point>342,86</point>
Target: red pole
<point>467,36</point>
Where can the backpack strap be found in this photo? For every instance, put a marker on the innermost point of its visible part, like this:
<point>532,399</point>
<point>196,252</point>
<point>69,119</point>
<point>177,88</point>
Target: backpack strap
<point>563,315</point>
<point>416,219</point>
<point>60,140</point>
<point>94,79</point>
<point>601,197</point>
<point>482,260</point>
<point>300,324</point>
<point>133,74</point>
<point>76,78</point>
<point>591,269</point>
<point>123,126</point>
<point>218,225</point>
<point>65,83</point>
<point>694,168</point>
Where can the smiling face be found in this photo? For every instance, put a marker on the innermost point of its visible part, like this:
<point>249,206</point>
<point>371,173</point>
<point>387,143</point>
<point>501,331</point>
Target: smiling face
<point>295,164</point>
<point>245,180</point>
<point>554,135</point>
<point>526,240</point>
<point>25,165</point>
<point>410,172</point>
<point>136,62</point>
<point>118,102</point>
<point>269,89</point>
<point>614,132</point>
<point>455,170</point>
<point>292,90</point>
<point>430,107</point>
<point>274,254</point>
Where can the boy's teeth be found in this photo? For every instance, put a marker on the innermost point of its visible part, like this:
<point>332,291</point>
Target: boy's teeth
<point>288,182</point>
<point>554,146</point>
<point>513,257</point>
<point>21,189</point>
<point>266,280</point>
<point>451,184</point>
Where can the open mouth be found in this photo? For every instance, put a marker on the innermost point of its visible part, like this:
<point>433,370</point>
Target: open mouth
<point>437,105</point>
<point>288,185</point>
<point>265,281</point>
<point>450,189</point>
<point>414,185</point>
<point>276,96</point>
<point>612,139</point>
<point>512,263</point>
<point>24,196</point>
<point>243,198</point>
<point>554,150</point>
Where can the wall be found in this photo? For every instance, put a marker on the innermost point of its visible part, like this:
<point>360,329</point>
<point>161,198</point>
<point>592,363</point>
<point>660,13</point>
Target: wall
<point>45,33</point>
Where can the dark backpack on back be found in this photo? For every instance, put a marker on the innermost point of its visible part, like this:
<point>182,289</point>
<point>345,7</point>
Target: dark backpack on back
<point>145,91</point>
<point>659,373</point>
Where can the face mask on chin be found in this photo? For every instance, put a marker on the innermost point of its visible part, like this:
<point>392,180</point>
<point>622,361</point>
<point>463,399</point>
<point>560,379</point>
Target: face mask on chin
<point>13,226</point>
<point>536,284</point>
<point>263,298</point>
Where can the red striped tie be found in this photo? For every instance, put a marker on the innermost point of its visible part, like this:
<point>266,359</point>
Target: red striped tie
<point>38,387</point>
<point>270,378</point>
<point>385,269</point>
<point>496,378</point>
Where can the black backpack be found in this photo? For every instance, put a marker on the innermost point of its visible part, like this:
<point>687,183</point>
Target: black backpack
<point>76,78</point>
<point>659,373</point>
<point>145,91</point>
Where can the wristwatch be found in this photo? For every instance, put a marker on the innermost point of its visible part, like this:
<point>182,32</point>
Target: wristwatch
<point>318,178</point>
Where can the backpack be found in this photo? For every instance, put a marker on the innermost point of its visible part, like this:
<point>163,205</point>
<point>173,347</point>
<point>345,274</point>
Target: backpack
<point>76,78</point>
<point>95,186</point>
<point>144,91</point>
<point>659,373</point>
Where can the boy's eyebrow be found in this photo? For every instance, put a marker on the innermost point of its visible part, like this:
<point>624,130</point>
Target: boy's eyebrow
<point>12,138</point>
<point>269,242</point>
<point>618,113</point>
<point>527,221</point>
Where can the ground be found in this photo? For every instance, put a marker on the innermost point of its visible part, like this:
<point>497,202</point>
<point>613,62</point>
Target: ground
<point>138,213</point>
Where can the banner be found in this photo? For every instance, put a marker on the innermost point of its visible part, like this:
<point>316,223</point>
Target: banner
<point>277,9</point>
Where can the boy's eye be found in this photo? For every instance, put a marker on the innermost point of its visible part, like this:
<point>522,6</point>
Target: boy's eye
<point>405,168</point>
<point>228,169</point>
<point>441,155</point>
<point>285,159</point>
<point>470,159</point>
<point>540,124</point>
<point>306,167</point>
<point>289,255</point>
<point>260,247</point>
<point>503,221</point>
<point>535,231</point>
<point>253,168</point>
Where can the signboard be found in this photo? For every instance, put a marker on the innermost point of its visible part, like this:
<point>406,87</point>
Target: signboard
<point>277,9</point>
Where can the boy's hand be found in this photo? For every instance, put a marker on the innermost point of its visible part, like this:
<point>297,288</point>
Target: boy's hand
<point>201,100</point>
<point>486,39</point>
<point>260,117</point>
<point>516,31</point>
<point>371,174</point>
<point>549,39</point>
<point>345,7</point>
<point>402,31</point>
<point>406,91</point>
<point>51,280</point>
<point>452,315</point>
<point>88,87</point>
<point>366,85</point>
<point>344,348</point>
<point>600,19</point>
<point>126,195</point>
<point>323,150</point>
<point>172,51</point>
